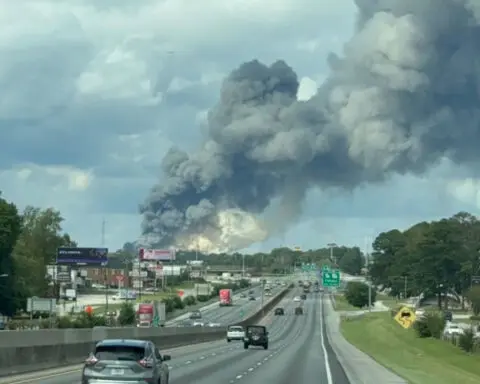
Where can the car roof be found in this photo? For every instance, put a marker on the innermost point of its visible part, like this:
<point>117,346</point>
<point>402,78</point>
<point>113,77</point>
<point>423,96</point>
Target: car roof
<point>122,342</point>
<point>256,326</point>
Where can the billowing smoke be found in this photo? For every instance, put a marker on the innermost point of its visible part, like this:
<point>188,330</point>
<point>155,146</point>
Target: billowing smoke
<point>404,95</point>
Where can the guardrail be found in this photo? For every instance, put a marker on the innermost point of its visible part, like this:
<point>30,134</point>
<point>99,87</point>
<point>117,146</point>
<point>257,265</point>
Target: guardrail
<point>34,350</point>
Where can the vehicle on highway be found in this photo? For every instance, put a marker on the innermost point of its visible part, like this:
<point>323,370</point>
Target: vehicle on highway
<point>297,298</point>
<point>299,311</point>
<point>198,323</point>
<point>448,315</point>
<point>255,335</point>
<point>252,298</point>
<point>226,297</point>
<point>212,325</point>
<point>130,361</point>
<point>303,297</point>
<point>279,311</point>
<point>195,315</point>
<point>144,324</point>
<point>235,332</point>
<point>268,293</point>
<point>453,329</point>
<point>243,295</point>
<point>251,292</point>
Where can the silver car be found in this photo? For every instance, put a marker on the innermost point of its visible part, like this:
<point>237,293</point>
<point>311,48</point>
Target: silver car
<point>129,361</point>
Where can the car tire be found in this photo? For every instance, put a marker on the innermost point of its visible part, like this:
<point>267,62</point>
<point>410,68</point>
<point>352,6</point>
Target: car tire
<point>228,340</point>
<point>245,346</point>
<point>265,346</point>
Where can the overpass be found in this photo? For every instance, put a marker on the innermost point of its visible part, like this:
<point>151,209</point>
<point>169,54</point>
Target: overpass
<point>226,269</point>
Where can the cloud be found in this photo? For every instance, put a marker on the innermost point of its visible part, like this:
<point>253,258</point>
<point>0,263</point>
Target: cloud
<point>95,93</point>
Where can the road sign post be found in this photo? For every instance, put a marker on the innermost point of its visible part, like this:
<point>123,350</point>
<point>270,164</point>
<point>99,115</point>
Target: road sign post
<point>331,278</point>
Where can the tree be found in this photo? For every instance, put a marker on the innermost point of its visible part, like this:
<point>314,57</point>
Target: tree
<point>473,295</point>
<point>127,314</point>
<point>10,227</point>
<point>36,248</point>
<point>434,258</point>
<point>357,294</point>
<point>352,261</point>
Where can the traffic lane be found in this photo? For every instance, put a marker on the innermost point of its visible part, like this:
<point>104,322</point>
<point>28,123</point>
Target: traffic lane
<point>284,330</point>
<point>275,325</point>
<point>181,357</point>
<point>242,308</point>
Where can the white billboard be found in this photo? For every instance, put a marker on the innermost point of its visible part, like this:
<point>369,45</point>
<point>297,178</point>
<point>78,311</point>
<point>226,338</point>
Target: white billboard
<point>156,254</point>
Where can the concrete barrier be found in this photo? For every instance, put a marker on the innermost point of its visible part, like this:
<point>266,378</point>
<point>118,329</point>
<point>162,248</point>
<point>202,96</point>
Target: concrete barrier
<point>34,350</point>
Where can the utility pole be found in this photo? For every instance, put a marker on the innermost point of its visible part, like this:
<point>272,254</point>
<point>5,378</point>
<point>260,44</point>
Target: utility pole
<point>405,288</point>
<point>367,261</point>
<point>243,265</point>
<point>333,259</point>
<point>105,271</point>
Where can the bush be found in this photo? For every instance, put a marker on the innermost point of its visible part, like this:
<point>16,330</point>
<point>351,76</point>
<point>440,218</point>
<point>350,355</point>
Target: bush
<point>127,315</point>
<point>65,322</point>
<point>178,303</point>
<point>190,300</point>
<point>169,305</point>
<point>466,341</point>
<point>431,324</point>
<point>244,284</point>
<point>475,318</point>
<point>203,298</point>
<point>357,294</point>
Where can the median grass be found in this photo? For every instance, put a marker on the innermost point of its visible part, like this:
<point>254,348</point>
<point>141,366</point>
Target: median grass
<point>419,361</point>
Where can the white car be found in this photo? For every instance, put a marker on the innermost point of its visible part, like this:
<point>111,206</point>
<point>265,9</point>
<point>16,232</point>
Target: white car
<point>297,298</point>
<point>235,332</point>
<point>452,329</point>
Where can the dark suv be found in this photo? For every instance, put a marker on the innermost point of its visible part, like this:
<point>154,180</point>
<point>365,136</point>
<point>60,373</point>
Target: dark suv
<point>256,335</point>
<point>279,311</point>
<point>132,361</point>
<point>299,311</point>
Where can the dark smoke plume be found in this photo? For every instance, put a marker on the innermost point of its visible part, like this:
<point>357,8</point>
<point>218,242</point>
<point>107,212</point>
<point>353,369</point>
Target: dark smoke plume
<point>404,95</point>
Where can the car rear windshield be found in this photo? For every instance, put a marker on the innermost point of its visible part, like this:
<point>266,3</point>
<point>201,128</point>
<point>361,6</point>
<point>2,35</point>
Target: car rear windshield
<point>235,329</point>
<point>120,352</point>
<point>256,330</point>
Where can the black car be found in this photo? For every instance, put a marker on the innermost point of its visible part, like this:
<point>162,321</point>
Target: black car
<point>252,298</point>
<point>299,311</point>
<point>303,297</point>
<point>279,312</point>
<point>256,335</point>
<point>132,361</point>
<point>195,315</point>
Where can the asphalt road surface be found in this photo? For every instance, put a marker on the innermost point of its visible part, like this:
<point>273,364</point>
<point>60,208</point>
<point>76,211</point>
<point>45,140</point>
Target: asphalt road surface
<point>298,352</point>
<point>242,308</point>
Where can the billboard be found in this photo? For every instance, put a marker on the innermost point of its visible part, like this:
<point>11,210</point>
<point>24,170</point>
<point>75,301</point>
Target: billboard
<point>156,254</point>
<point>82,256</point>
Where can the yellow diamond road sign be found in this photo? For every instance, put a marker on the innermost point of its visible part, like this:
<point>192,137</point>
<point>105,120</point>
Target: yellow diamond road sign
<point>405,317</point>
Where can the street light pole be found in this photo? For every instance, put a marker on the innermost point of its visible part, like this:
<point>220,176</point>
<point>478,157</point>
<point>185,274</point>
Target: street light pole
<point>331,246</point>
<point>243,265</point>
<point>367,261</point>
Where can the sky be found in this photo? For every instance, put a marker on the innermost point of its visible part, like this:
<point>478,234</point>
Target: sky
<point>94,92</point>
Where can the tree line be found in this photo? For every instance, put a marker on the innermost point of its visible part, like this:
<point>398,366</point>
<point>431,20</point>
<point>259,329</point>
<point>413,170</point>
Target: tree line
<point>434,258</point>
<point>28,243</point>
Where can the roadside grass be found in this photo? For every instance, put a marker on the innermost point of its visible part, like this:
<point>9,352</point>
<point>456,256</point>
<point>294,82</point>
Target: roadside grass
<point>341,304</point>
<point>419,361</point>
<point>388,301</point>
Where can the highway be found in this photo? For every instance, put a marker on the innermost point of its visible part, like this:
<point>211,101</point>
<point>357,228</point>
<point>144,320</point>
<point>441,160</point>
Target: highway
<point>298,352</point>
<point>242,308</point>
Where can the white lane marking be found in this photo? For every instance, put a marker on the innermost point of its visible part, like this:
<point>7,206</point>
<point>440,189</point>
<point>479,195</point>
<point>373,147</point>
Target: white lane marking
<point>250,369</point>
<point>188,362</point>
<point>325,354</point>
<point>238,377</point>
<point>202,357</point>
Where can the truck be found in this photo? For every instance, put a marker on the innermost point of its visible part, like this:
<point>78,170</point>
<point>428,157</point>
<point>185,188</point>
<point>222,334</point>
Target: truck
<point>226,297</point>
<point>151,314</point>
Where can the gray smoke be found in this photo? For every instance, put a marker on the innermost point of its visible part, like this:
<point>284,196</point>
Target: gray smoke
<point>404,95</point>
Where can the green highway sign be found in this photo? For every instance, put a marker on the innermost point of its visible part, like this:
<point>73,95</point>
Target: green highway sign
<point>309,267</point>
<point>331,278</point>
<point>325,268</point>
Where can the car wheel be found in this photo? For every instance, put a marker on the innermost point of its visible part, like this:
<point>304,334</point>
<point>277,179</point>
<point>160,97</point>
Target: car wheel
<point>228,340</point>
<point>245,346</point>
<point>265,346</point>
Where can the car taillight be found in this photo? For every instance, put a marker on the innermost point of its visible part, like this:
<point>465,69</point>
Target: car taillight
<point>92,360</point>
<point>146,363</point>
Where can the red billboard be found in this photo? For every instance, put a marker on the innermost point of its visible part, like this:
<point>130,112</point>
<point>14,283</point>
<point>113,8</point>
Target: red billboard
<point>145,254</point>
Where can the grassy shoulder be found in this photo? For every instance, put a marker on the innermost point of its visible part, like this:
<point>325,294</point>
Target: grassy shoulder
<point>419,361</point>
<point>341,304</point>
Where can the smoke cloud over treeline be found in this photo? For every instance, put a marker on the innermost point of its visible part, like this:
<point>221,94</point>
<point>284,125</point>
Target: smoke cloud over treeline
<point>403,95</point>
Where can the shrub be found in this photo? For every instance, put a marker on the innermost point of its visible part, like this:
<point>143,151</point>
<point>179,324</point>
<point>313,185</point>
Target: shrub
<point>65,322</point>
<point>475,318</point>
<point>431,324</point>
<point>178,303</point>
<point>169,304</point>
<point>203,298</point>
<point>127,315</point>
<point>357,294</point>
<point>466,341</point>
<point>190,300</point>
